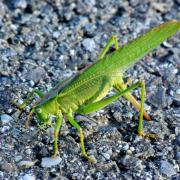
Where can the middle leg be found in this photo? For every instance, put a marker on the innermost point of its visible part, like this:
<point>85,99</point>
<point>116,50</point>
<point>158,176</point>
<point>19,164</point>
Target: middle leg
<point>56,133</point>
<point>78,127</point>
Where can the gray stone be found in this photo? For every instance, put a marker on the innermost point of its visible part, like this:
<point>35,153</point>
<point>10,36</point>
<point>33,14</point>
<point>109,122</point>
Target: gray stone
<point>118,116</point>
<point>131,163</point>
<point>27,164</point>
<point>158,99</point>
<point>90,29</point>
<point>7,167</point>
<point>178,156</point>
<point>106,156</point>
<point>5,119</point>
<point>36,74</point>
<point>167,168</point>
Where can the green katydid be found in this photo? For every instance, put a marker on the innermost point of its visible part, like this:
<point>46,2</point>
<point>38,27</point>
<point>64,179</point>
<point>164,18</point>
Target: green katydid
<point>85,93</point>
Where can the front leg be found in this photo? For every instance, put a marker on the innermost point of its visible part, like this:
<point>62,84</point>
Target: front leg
<point>23,105</point>
<point>34,91</point>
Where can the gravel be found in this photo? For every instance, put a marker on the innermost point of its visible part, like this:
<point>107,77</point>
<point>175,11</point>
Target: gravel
<point>44,42</point>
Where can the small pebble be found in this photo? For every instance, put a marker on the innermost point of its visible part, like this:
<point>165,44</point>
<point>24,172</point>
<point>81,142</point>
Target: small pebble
<point>130,163</point>
<point>20,101</point>
<point>118,116</point>
<point>106,156</point>
<point>36,74</point>
<point>56,34</point>
<point>49,162</point>
<point>167,168</point>
<point>28,151</point>
<point>5,119</point>
<point>178,91</point>
<point>32,83</point>
<point>4,129</point>
<point>72,52</point>
<point>29,177</point>
<point>93,159</point>
<point>27,164</point>
<point>158,99</point>
<point>178,156</point>
<point>17,158</point>
<point>7,167</point>
<point>175,71</point>
<point>129,152</point>
<point>132,148</point>
<point>20,4</point>
<point>126,147</point>
<point>90,2</point>
<point>89,44</point>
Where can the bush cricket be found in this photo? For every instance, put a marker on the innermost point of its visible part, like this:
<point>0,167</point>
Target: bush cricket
<point>86,92</point>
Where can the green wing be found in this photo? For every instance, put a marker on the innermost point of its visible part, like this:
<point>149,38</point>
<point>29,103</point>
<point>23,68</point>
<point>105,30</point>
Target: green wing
<point>118,61</point>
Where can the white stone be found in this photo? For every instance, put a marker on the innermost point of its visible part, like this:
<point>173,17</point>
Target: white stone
<point>49,162</point>
<point>72,52</point>
<point>89,44</point>
<point>32,83</point>
<point>4,129</point>
<point>29,177</point>
<point>56,34</point>
<point>178,91</point>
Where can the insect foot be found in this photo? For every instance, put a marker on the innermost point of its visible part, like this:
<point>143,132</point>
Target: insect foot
<point>91,159</point>
<point>148,135</point>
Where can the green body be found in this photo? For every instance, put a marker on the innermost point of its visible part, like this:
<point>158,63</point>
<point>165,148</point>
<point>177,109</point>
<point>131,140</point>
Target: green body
<point>94,83</point>
<point>85,92</point>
